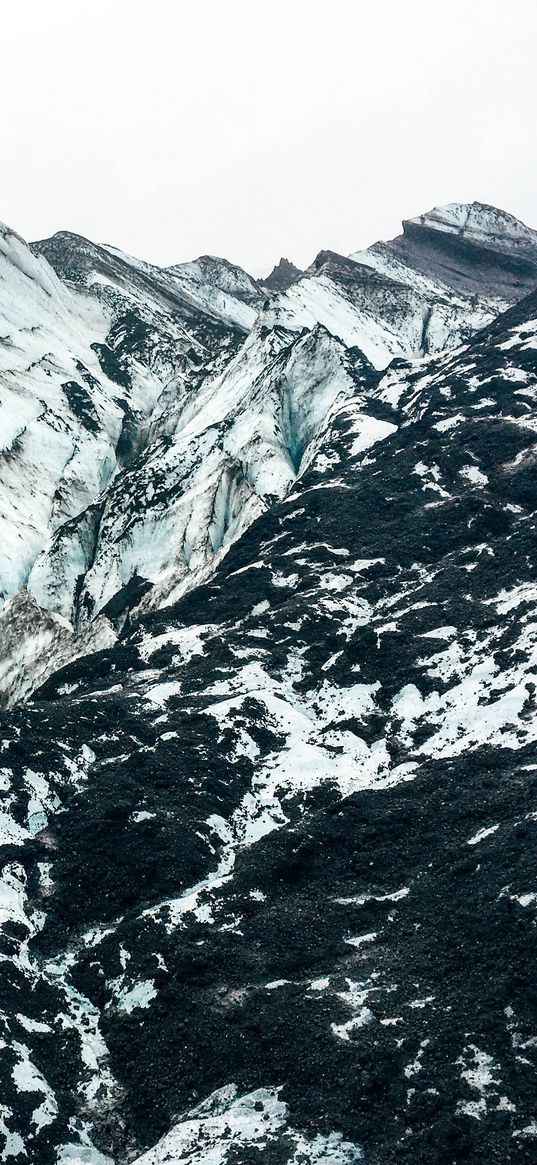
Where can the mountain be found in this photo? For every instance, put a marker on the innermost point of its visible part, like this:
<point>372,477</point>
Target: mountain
<point>134,400</point>
<point>450,272</point>
<point>472,249</point>
<point>281,277</point>
<point>95,350</point>
<point>268,884</point>
<point>203,296</point>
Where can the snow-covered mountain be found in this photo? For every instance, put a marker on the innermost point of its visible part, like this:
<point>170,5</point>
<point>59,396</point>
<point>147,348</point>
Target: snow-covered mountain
<point>268,881</point>
<point>450,272</point>
<point>156,412</point>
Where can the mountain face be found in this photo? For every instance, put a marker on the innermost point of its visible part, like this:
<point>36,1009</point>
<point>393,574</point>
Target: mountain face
<point>268,878</point>
<point>94,353</point>
<point>159,413</point>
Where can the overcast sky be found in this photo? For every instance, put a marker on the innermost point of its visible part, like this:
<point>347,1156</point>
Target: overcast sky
<point>259,128</point>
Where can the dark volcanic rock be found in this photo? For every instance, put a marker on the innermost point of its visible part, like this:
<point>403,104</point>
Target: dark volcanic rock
<point>283,274</point>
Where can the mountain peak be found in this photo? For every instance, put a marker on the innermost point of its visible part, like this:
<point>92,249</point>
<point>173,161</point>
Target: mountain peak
<point>213,271</point>
<point>281,277</point>
<point>477,222</point>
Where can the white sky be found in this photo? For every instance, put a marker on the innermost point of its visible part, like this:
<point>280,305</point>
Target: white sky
<point>259,128</point>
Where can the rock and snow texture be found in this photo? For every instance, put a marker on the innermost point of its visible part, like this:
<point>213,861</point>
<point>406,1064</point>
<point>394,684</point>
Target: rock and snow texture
<point>148,415</point>
<point>218,459</point>
<point>268,881</point>
<point>95,357</point>
<point>470,250</point>
<point>485,226</point>
<point>268,861</point>
<point>216,285</point>
<point>450,273</point>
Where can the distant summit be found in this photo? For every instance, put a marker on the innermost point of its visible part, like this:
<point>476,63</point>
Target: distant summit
<point>282,276</point>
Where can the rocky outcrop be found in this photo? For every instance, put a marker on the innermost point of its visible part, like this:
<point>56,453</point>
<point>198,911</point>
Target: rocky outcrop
<point>283,274</point>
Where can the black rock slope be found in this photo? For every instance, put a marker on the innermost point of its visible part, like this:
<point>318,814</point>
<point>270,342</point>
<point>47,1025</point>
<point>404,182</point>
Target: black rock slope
<point>269,881</point>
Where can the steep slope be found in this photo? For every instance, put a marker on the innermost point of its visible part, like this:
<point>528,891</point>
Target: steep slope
<point>450,272</point>
<point>83,376</point>
<point>220,458</point>
<point>472,247</point>
<point>269,889</point>
<point>62,423</point>
<point>219,286</point>
<point>215,393</point>
<point>191,299</point>
<point>94,350</point>
<point>281,277</point>
<point>53,393</point>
